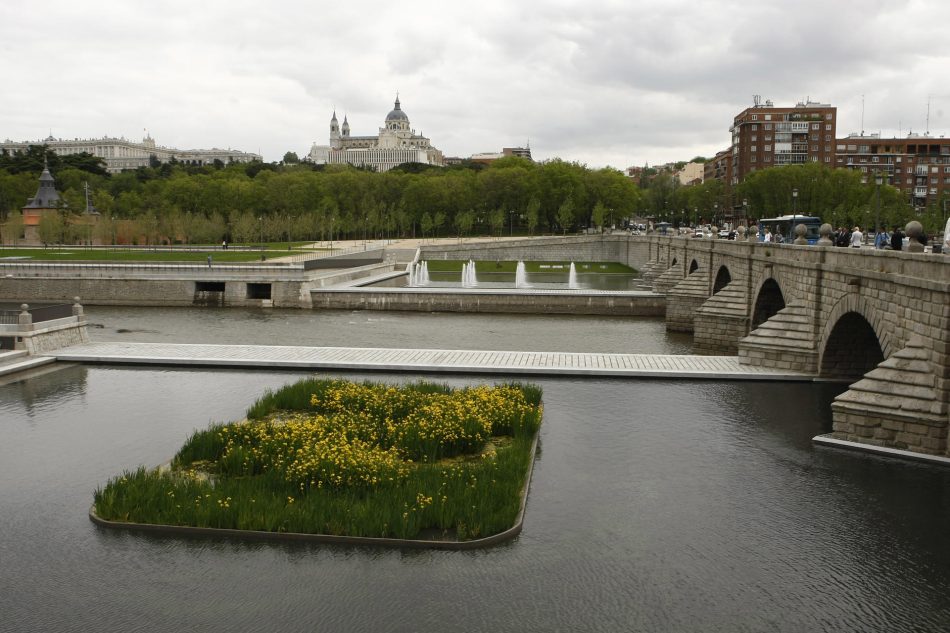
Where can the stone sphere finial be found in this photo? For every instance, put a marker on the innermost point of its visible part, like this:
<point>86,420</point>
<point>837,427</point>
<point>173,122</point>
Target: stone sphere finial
<point>800,230</point>
<point>824,233</point>
<point>753,233</point>
<point>913,231</point>
<point>714,232</point>
<point>24,306</point>
<point>740,233</point>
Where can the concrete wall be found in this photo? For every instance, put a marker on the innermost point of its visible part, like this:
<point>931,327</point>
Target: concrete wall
<point>535,303</point>
<point>146,292</point>
<point>633,251</point>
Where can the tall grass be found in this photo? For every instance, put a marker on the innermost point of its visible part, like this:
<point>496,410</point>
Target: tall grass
<point>229,476</point>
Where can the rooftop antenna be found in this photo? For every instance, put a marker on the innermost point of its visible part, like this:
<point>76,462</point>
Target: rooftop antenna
<point>862,115</point>
<point>757,100</point>
<point>927,132</point>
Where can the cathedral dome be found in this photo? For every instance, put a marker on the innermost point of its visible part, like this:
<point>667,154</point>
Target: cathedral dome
<point>397,114</point>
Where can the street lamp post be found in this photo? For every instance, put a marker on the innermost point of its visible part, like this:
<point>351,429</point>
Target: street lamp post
<point>878,178</point>
<point>716,214</point>
<point>794,210</point>
<point>260,226</point>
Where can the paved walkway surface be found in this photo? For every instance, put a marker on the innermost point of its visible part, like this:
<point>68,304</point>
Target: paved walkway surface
<point>424,360</point>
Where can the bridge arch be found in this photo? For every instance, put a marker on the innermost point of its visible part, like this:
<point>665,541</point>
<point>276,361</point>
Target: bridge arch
<point>768,301</point>
<point>693,265</point>
<point>722,279</point>
<point>852,341</point>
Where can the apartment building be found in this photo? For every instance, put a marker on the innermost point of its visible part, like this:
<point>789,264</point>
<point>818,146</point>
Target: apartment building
<point>768,136</point>
<point>918,165</point>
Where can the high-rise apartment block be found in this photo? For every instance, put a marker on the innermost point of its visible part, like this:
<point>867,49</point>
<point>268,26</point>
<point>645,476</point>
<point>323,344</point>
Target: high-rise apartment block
<point>767,136</point>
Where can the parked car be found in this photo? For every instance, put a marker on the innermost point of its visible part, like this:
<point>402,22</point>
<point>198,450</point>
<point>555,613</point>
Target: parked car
<point>697,233</point>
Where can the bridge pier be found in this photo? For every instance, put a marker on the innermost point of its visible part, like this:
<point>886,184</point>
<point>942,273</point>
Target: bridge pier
<point>787,340</point>
<point>684,299</point>
<point>901,403</point>
<point>721,321</point>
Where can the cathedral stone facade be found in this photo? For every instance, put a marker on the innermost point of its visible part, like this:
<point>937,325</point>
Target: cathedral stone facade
<point>396,143</point>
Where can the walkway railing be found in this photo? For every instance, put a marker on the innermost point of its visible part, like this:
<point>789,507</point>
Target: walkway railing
<point>42,313</point>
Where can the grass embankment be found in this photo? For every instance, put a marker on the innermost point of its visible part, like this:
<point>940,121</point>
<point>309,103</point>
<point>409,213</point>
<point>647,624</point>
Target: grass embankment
<point>455,265</point>
<point>336,457</point>
<point>78,253</point>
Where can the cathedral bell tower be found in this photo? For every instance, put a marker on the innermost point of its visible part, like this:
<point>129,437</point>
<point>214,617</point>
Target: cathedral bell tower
<point>346,127</point>
<point>335,142</point>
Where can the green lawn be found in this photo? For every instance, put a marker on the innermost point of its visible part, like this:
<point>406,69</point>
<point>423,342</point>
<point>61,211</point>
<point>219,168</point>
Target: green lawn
<point>78,253</point>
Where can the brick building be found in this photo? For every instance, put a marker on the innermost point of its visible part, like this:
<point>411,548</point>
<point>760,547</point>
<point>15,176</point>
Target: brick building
<point>918,165</point>
<point>767,136</point>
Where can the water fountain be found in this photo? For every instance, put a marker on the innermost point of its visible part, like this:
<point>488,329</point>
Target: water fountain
<point>418,274</point>
<point>572,278</point>
<point>469,280</point>
<point>521,277</point>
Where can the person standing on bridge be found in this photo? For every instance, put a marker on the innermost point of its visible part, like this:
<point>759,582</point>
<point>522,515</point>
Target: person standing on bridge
<point>857,237</point>
<point>897,239</point>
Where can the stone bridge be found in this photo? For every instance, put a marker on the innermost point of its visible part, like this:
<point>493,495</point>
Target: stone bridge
<point>879,320</point>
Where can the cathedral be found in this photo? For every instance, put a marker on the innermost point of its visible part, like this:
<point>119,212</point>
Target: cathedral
<point>395,144</point>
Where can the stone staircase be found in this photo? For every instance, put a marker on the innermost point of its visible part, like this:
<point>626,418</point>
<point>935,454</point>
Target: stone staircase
<point>667,279</point>
<point>786,341</point>
<point>13,361</point>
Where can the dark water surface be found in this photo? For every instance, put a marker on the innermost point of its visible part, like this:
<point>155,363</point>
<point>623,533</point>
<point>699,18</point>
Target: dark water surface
<point>654,506</point>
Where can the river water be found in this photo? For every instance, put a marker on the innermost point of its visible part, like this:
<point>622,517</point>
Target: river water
<point>654,506</point>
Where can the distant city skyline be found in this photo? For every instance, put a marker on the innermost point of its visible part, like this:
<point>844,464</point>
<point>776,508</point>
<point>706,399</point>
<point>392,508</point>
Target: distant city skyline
<point>601,82</point>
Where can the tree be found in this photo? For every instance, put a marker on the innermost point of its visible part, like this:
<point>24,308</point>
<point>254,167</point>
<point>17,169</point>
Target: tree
<point>50,228</point>
<point>13,228</point>
<point>565,214</point>
<point>496,220</point>
<point>598,214</point>
<point>290,158</point>
<point>464,222</point>
<point>531,214</point>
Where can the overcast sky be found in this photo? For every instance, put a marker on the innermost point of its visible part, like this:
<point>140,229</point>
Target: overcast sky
<point>600,82</point>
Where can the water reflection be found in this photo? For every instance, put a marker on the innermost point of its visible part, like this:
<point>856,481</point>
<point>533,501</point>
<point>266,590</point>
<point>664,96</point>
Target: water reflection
<point>655,506</point>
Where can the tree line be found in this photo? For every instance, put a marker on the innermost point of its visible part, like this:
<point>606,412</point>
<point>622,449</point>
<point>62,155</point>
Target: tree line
<point>247,203</point>
<point>272,202</point>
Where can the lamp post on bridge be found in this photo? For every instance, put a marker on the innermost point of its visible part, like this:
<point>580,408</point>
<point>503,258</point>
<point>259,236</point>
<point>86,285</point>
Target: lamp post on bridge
<point>878,179</point>
<point>795,201</point>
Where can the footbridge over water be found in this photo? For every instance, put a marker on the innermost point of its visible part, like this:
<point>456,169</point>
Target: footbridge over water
<point>879,320</point>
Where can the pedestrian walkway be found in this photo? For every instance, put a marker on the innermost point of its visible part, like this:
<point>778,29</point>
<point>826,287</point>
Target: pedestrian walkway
<point>424,360</point>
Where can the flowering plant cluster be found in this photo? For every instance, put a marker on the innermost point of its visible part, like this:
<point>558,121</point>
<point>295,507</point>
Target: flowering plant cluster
<point>348,458</point>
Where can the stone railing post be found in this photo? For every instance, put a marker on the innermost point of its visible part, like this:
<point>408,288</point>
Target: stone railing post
<point>913,231</point>
<point>77,310</point>
<point>25,319</point>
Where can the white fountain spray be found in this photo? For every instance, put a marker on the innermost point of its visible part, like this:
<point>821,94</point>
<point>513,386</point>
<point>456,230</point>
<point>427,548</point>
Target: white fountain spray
<point>469,280</point>
<point>521,277</point>
<point>572,278</point>
<point>422,274</point>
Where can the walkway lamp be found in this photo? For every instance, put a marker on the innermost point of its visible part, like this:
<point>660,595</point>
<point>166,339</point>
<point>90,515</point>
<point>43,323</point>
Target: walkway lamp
<point>795,201</point>
<point>716,214</point>
<point>878,179</point>
<point>260,225</point>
